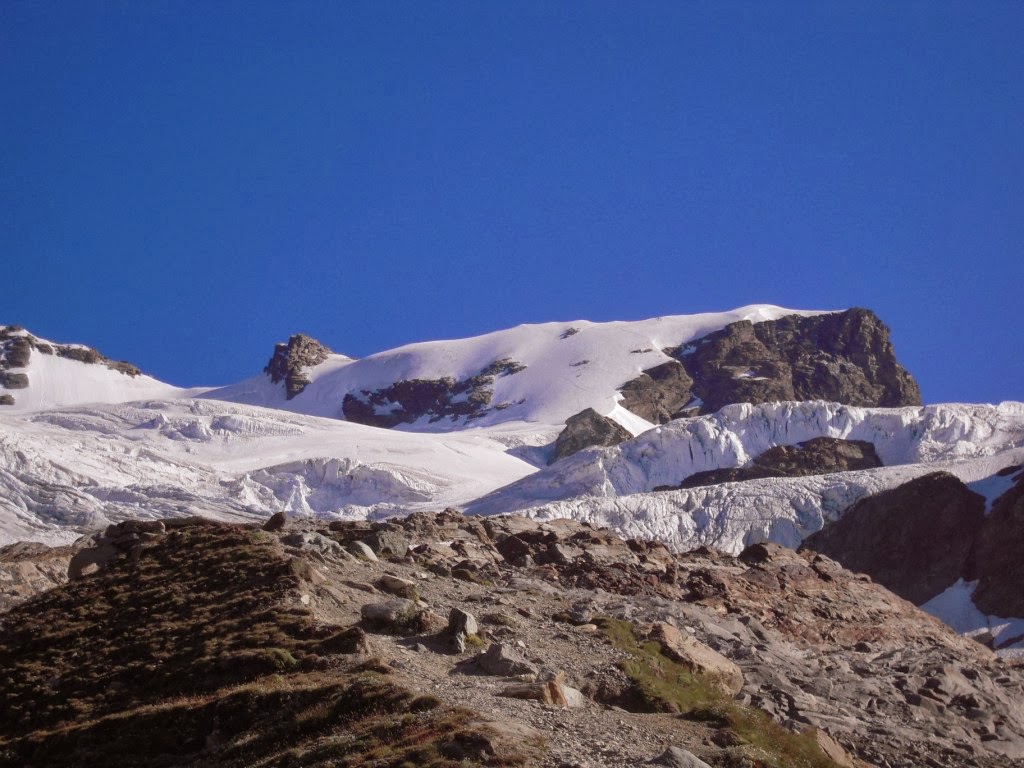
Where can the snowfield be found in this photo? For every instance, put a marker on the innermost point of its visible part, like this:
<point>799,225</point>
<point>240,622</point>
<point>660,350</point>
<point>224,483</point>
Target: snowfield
<point>69,470</point>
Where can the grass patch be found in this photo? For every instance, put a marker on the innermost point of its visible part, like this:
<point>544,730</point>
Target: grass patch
<point>662,685</point>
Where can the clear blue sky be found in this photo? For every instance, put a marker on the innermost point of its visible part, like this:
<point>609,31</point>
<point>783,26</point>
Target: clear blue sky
<point>183,184</point>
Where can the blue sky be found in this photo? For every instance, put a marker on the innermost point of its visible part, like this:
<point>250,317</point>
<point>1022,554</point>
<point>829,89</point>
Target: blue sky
<point>183,184</point>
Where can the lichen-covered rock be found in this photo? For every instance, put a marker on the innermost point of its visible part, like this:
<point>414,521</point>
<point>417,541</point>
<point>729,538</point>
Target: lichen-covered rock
<point>289,361</point>
<point>587,429</point>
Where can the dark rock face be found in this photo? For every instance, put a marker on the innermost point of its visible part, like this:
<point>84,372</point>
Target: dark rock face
<point>659,394</point>
<point>588,429</point>
<point>6,399</point>
<point>997,564</point>
<point>13,380</point>
<point>915,539</point>
<point>845,357</point>
<point>410,400</point>
<point>820,456</point>
<point>289,360</point>
<point>18,351</point>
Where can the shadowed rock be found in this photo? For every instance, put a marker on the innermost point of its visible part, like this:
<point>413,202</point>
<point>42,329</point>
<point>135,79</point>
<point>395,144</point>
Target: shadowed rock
<point>915,539</point>
<point>819,456</point>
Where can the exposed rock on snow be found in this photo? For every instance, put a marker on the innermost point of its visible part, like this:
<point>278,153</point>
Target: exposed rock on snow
<point>430,400</point>
<point>844,357</point>
<point>290,361</point>
<point>661,393</point>
<point>732,437</point>
<point>49,375</point>
<point>585,430</point>
<point>818,456</point>
<point>414,386</point>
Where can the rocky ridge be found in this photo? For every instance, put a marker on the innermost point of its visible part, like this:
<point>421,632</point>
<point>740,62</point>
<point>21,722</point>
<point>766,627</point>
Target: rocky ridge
<point>17,346</point>
<point>845,357</point>
<point>582,648</point>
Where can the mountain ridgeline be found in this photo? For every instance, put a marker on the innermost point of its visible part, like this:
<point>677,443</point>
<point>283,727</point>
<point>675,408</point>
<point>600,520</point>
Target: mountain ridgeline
<point>845,357</point>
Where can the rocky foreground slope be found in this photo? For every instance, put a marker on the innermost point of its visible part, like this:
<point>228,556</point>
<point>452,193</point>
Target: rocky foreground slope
<point>445,640</point>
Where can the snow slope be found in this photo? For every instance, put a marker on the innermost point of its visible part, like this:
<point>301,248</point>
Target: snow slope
<point>570,366</point>
<point>955,607</point>
<point>69,470</point>
<point>57,381</point>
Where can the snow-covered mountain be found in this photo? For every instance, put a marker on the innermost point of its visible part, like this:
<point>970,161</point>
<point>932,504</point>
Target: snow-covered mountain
<point>36,374</point>
<point>551,370</point>
<point>85,441</point>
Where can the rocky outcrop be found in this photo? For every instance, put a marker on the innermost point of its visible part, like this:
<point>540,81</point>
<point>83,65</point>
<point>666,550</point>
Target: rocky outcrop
<point>697,657</point>
<point>17,345</point>
<point>915,539</point>
<point>588,429</point>
<point>290,361</point>
<point>10,380</point>
<point>845,357</point>
<point>820,456</point>
<point>410,400</point>
<point>997,563</point>
<point>28,568</point>
<point>660,394</point>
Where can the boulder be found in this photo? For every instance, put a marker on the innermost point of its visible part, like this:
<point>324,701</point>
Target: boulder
<point>502,660</point>
<point>675,757</point>
<point>351,640</point>
<point>277,522</point>
<point>462,622</point>
<point>398,616</point>
<point>86,561</point>
<point>387,543</point>
<point>362,551</point>
<point>698,657</point>
<point>396,585</point>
